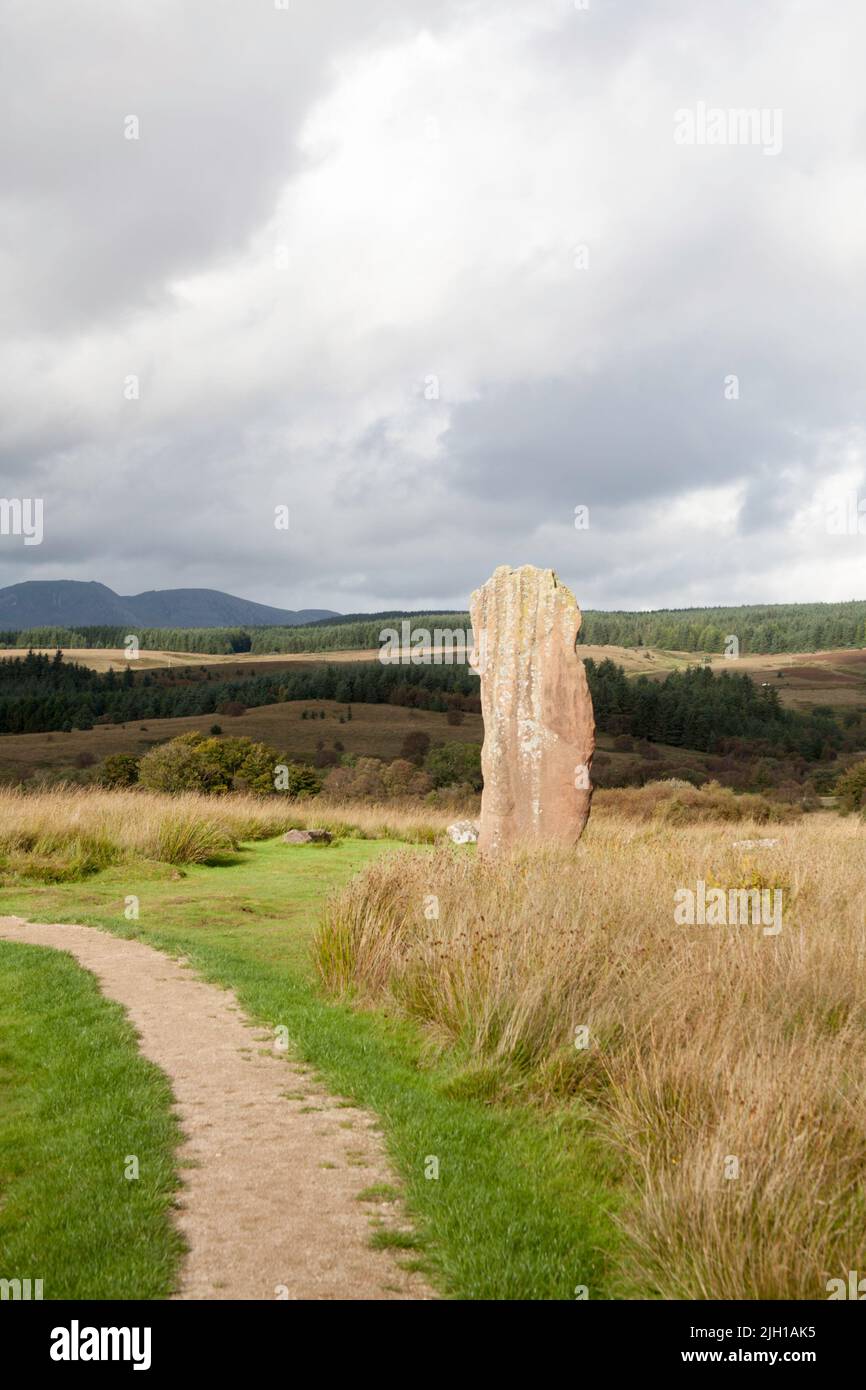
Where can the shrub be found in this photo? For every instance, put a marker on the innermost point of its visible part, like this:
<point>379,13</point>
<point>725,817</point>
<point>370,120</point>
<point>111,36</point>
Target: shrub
<point>459,797</point>
<point>403,778</point>
<point>851,788</point>
<point>120,770</point>
<point>216,729</point>
<point>455,762</point>
<point>172,766</point>
<point>361,781</point>
<point>647,750</point>
<point>415,746</point>
<point>368,779</point>
<point>326,757</point>
<point>302,781</point>
<point>215,766</point>
<point>691,776</point>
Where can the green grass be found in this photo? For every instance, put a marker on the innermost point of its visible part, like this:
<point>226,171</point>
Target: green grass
<point>522,1207</point>
<point>76,1099</point>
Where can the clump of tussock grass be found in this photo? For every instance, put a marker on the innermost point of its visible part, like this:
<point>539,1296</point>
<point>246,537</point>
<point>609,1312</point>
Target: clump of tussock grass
<point>62,856</point>
<point>706,1044</point>
<point>186,839</point>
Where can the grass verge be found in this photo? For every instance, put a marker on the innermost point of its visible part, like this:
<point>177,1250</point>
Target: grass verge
<point>76,1100</point>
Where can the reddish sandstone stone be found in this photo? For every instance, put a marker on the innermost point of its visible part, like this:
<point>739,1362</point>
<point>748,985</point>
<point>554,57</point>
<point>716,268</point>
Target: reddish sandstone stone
<point>539,730</point>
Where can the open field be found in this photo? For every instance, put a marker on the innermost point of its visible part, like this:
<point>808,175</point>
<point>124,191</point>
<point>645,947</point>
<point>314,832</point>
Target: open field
<point>836,678</point>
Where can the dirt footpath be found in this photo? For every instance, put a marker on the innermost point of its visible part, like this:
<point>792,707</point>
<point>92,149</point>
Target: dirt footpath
<point>270,1209</point>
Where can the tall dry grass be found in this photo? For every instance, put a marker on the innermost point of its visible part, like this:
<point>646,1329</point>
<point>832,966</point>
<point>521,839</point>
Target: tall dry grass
<point>713,1051</point>
<point>680,803</point>
<point>66,833</point>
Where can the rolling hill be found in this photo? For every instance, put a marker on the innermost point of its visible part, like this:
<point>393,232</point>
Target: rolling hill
<point>73,603</point>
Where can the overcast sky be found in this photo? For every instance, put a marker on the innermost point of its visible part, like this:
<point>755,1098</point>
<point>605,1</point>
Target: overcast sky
<point>432,276</point>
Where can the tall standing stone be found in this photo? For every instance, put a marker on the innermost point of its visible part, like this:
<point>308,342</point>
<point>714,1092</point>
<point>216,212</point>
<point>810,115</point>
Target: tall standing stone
<point>539,730</point>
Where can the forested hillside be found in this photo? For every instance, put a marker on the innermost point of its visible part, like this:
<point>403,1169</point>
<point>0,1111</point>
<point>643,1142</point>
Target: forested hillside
<point>794,627</point>
<point>692,709</point>
<point>768,629</point>
<point>218,641</point>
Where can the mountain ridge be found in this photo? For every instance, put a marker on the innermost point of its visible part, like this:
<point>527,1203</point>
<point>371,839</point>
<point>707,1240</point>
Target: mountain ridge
<point>82,603</point>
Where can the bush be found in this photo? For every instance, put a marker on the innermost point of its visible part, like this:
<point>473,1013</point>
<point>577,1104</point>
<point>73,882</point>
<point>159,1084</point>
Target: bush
<point>301,780</point>
<point>172,766</point>
<point>368,779</point>
<point>361,781</point>
<point>647,750</point>
<point>459,798</point>
<point>233,708</point>
<point>415,747</point>
<point>402,778</point>
<point>851,788</point>
<point>120,770</point>
<point>326,757</point>
<point>455,762</point>
<point>219,765</point>
<point>690,775</point>
<point>216,729</point>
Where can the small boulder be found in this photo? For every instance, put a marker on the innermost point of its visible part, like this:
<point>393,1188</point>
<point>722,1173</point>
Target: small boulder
<point>307,837</point>
<point>463,832</point>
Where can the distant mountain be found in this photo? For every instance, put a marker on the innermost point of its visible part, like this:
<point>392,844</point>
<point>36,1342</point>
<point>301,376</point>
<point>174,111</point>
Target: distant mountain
<point>71,603</point>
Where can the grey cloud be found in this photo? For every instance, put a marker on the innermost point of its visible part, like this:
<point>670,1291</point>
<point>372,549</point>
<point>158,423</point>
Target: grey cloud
<point>95,223</point>
<point>606,390</point>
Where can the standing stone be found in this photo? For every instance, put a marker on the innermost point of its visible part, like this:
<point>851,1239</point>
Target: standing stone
<point>539,730</point>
